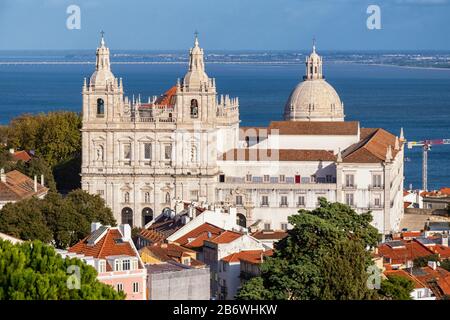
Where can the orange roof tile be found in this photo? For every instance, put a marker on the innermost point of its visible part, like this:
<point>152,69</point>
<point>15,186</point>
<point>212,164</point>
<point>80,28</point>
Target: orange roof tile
<point>18,187</point>
<point>21,156</point>
<point>168,98</point>
<point>250,256</point>
<point>226,237</point>
<point>105,247</point>
<point>328,128</point>
<point>402,273</point>
<point>410,251</point>
<point>195,238</point>
<point>269,235</point>
<point>371,149</point>
<point>277,155</point>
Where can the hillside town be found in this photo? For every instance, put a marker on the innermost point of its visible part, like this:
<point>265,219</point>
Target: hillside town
<point>200,204</point>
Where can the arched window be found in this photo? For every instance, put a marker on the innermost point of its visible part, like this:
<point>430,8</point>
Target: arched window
<point>147,197</point>
<point>100,107</point>
<point>127,216</point>
<point>126,197</point>
<point>147,216</point>
<point>194,108</point>
<point>167,197</point>
<point>241,220</point>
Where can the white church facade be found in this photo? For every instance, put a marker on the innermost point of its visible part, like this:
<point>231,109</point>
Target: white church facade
<point>188,145</point>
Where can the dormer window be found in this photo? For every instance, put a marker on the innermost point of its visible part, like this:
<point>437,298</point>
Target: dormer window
<point>101,266</point>
<point>100,108</point>
<point>126,265</point>
<point>194,108</point>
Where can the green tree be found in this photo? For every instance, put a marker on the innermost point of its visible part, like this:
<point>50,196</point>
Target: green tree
<point>323,257</point>
<point>396,288</point>
<point>38,167</point>
<point>55,136</point>
<point>34,271</point>
<point>423,261</point>
<point>25,220</point>
<point>445,264</point>
<point>61,221</point>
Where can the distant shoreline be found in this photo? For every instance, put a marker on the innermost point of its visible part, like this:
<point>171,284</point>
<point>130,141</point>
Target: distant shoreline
<point>268,63</point>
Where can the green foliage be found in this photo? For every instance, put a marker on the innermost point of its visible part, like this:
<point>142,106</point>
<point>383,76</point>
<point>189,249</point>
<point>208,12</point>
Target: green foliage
<point>445,264</point>
<point>33,271</point>
<point>38,167</point>
<point>396,288</point>
<point>323,257</point>
<point>67,174</point>
<point>423,261</point>
<point>61,221</point>
<point>55,136</point>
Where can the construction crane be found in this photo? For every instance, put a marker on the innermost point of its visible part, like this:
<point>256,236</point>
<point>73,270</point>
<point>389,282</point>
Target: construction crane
<point>426,146</point>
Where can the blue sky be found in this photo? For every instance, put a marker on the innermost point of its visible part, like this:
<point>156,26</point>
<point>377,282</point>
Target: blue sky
<point>226,24</point>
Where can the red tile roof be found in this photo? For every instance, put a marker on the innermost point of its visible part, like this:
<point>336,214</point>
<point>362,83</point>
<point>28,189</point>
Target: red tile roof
<point>105,247</point>
<point>269,235</point>
<point>328,128</point>
<point>406,204</point>
<point>438,280</point>
<point>402,273</point>
<point>18,187</point>
<point>371,149</point>
<point>196,237</point>
<point>400,255</point>
<point>21,156</point>
<point>226,237</point>
<point>250,256</point>
<point>277,155</point>
<point>168,98</point>
<point>170,251</point>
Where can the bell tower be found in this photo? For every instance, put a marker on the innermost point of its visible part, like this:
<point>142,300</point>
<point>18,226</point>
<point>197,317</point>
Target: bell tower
<point>103,94</point>
<point>313,65</point>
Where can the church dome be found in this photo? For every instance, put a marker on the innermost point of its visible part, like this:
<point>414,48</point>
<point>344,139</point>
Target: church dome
<point>314,99</point>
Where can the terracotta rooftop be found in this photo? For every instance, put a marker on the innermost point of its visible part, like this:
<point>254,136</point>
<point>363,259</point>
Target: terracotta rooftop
<point>196,237</point>
<point>250,256</point>
<point>110,244</point>
<point>18,187</point>
<point>328,128</point>
<point>226,237</point>
<point>21,156</point>
<point>402,273</point>
<point>278,155</point>
<point>269,235</point>
<point>169,251</point>
<point>372,148</point>
<point>401,251</point>
<point>167,99</point>
<point>438,280</point>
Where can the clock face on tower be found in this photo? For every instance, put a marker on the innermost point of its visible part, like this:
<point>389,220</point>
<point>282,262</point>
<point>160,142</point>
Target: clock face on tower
<point>126,109</point>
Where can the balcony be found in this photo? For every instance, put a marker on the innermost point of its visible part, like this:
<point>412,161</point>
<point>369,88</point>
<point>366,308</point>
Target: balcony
<point>284,204</point>
<point>350,187</point>
<point>300,205</point>
<point>264,204</point>
<point>376,187</point>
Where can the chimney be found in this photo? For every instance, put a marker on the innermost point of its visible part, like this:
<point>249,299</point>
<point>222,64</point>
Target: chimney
<point>42,180</point>
<point>35,184</point>
<point>95,226</point>
<point>445,239</point>
<point>125,230</point>
<point>2,175</point>
<point>432,264</point>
